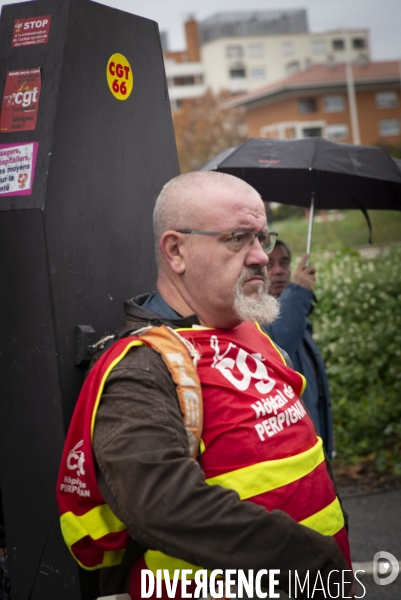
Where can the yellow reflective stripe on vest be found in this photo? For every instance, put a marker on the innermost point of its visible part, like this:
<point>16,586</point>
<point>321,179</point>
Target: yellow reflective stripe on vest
<point>111,558</point>
<point>157,560</point>
<point>105,376</point>
<point>281,356</point>
<point>271,474</point>
<point>263,332</point>
<point>327,521</point>
<point>97,522</point>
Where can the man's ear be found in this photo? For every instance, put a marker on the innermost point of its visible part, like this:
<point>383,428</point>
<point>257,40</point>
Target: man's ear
<point>171,246</point>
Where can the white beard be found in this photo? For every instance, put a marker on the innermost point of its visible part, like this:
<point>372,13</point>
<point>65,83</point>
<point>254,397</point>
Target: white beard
<point>264,308</point>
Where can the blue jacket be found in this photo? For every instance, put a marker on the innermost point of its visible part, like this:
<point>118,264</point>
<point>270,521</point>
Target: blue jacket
<point>292,331</point>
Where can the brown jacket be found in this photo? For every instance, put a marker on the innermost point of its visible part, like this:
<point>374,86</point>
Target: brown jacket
<point>151,484</point>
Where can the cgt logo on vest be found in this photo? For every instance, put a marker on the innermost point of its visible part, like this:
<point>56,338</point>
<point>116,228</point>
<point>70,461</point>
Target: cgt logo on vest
<point>76,459</point>
<point>226,365</point>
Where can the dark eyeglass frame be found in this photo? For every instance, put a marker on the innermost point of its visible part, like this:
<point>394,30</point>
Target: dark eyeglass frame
<point>270,235</point>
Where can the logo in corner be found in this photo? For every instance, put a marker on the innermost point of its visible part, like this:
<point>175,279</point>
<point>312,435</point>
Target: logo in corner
<point>382,561</point>
<point>76,459</point>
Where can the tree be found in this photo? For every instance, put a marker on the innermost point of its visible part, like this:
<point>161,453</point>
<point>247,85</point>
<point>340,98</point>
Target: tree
<point>203,128</point>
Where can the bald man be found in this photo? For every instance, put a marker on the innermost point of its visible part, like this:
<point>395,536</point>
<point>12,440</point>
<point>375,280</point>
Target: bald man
<point>258,443</point>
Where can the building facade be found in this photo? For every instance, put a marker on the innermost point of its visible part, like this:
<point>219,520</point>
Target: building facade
<point>315,102</point>
<point>246,60</point>
<point>243,51</point>
<point>185,80</point>
<point>185,71</point>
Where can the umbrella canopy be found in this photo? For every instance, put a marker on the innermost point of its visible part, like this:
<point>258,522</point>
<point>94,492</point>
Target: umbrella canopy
<point>338,176</point>
<point>398,162</point>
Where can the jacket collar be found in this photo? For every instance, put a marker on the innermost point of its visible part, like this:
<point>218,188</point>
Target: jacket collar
<point>134,312</point>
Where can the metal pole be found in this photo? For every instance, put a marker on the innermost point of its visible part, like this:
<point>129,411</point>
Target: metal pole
<point>311,212</point>
<point>353,110</point>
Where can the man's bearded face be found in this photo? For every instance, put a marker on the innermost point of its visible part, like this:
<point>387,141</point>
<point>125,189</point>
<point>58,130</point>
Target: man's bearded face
<point>259,306</point>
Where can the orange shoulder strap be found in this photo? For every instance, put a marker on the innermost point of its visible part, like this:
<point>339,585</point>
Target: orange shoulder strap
<point>180,358</point>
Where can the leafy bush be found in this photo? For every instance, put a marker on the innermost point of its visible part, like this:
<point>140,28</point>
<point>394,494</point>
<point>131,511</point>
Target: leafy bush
<point>348,230</point>
<point>357,324</point>
<point>280,212</point>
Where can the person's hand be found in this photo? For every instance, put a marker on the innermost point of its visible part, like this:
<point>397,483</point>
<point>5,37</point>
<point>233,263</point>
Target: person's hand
<point>304,276</point>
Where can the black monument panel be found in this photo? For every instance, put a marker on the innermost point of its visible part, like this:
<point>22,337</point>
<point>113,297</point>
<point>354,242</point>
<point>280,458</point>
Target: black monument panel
<point>73,249</point>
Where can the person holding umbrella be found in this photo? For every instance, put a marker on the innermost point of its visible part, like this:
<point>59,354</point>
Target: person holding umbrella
<point>293,332</point>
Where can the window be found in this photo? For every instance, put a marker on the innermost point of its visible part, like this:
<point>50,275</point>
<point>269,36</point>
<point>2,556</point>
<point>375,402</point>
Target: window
<point>334,103</point>
<point>386,99</point>
<point>234,51</point>
<point>338,44</point>
<point>319,46</point>
<point>287,48</point>
<point>255,50</point>
<point>292,67</point>
<point>307,105</point>
<point>238,73</point>
<point>337,132</point>
<point>187,80</point>
<point>308,132</point>
<point>358,43</point>
<point>389,127</point>
<point>258,73</point>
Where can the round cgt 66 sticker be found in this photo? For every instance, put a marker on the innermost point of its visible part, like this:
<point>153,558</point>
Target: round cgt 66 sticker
<point>119,76</point>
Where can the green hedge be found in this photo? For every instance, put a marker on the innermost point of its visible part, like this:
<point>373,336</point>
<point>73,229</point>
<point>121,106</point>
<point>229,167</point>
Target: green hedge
<point>357,324</point>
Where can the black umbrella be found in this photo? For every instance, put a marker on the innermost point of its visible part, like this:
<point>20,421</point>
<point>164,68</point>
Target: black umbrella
<point>398,162</point>
<point>315,173</point>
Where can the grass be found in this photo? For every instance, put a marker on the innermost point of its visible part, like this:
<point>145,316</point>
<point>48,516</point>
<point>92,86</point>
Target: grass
<point>351,231</point>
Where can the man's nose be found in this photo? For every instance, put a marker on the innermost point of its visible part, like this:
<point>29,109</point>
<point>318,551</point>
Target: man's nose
<point>256,256</point>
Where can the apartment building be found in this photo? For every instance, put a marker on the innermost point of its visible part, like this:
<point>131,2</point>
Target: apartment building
<point>315,102</point>
<point>185,80</point>
<point>247,50</point>
<point>185,71</point>
<point>243,51</point>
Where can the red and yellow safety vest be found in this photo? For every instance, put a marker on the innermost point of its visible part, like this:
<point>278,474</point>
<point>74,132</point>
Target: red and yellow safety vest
<point>257,439</point>
<point>92,532</point>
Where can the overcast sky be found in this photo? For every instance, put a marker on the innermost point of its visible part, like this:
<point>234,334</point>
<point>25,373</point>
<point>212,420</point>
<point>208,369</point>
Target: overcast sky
<point>381,17</point>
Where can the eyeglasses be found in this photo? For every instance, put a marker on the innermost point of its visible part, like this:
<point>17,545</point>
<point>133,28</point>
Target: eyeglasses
<point>239,239</point>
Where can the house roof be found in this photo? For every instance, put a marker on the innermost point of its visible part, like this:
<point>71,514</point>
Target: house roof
<point>323,75</point>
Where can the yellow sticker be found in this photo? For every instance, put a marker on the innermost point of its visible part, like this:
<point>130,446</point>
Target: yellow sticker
<point>119,76</point>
